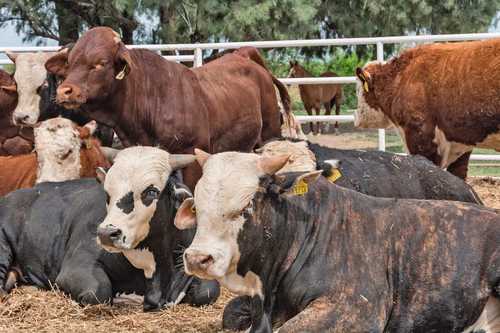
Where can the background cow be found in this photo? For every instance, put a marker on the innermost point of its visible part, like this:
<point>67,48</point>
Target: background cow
<point>227,104</point>
<point>376,173</point>
<point>63,151</point>
<point>49,233</point>
<point>316,257</point>
<point>13,140</point>
<point>37,94</point>
<point>440,97</point>
<point>142,199</point>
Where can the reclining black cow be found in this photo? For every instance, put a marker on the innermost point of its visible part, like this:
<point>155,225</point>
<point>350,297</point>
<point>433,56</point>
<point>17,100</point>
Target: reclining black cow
<point>49,233</point>
<point>376,173</point>
<point>315,257</point>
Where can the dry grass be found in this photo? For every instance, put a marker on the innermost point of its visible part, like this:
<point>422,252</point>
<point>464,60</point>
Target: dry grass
<point>488,189</point>
<point>28,309</point>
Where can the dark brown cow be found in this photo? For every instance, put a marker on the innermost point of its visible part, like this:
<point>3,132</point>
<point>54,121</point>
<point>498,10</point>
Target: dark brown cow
<point>13,140</point>
<point>315,95</point>
<point>441,97</point>
<point>228,104</point>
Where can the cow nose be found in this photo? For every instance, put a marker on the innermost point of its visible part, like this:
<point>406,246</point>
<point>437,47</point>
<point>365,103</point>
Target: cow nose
<point>20,119</point>
<point>197,261</point>
<point>108,235</point>
<point>65,91</point>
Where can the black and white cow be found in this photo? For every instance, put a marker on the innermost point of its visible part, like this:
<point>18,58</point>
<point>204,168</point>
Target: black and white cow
<point>376,173</point>
<point>316,257</point>
<point>141,206</point>
<point>49,234</point>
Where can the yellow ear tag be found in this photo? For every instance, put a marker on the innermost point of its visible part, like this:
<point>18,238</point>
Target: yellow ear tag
<point>365,86</point>
<point>334,176</point>
<point>88,143</point>
<point>121,75</point>
<point>300,188</point>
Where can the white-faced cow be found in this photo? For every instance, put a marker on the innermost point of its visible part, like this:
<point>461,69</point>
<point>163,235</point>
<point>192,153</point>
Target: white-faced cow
<point>316,257</point>
<point>48,238</point>
<point>141,206</point>
<point>440,97</point>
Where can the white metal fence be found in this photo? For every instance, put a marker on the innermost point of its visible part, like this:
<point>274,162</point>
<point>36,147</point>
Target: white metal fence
<point>197,59</point>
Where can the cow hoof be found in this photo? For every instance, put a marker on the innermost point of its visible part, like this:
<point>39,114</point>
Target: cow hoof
<point>148,307</point>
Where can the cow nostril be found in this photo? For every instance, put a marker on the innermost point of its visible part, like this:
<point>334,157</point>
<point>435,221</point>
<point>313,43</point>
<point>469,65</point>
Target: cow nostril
<point>67,91</point>
<point>206,260</point>
<point>115,234</point>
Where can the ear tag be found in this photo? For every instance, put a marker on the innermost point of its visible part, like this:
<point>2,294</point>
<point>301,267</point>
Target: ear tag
<point>300,188</point>
<point>121,75</point>
<point>334,176</point>
<point>365,86</point>
<point>88,143</point>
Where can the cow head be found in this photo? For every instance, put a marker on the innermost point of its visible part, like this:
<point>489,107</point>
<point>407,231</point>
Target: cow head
<point>295,69</point>
<point>301,158</point>
<point>30,78</point>
<point>225,210</point>
<point>92,68</point>
<point>8,92</point>
<point>133,186</point>
<point>57,144</point>
<point>369,111</point>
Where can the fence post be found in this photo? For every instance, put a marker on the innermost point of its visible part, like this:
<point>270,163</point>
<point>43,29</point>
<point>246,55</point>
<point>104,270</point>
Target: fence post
<point>198,57</point>
<point>381,131</point>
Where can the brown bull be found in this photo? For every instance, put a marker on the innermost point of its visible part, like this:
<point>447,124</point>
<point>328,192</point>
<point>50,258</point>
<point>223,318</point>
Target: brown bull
<point>443,99</point>
<point>13,140</point>
<point>228,104</point>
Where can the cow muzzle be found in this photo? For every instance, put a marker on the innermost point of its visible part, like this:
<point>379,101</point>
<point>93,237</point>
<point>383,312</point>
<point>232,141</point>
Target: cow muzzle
<point>197,262</point>
<point>109,235</point>
<point>70,96</point>
<point>24,119</point>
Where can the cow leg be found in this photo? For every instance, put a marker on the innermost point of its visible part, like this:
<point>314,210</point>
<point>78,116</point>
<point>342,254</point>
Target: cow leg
<point>6,258</point>
<point>310,113</point>
<point>338,101</point>
<point>328,111</point>
<point>323,315</point>
<point>459,168</point>
<point>317,110</point>
<point>87,284</point>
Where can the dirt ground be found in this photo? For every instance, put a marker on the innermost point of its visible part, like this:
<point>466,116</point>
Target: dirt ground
<point>30,310</point>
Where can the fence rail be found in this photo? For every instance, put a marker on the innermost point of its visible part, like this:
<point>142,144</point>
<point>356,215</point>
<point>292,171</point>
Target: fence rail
<point>379,42</point>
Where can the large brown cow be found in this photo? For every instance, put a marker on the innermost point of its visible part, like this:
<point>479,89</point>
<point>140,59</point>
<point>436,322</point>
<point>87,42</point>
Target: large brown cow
<point>440,97</point>
<point>13,140</point>
<point>228,104</point>
<point>64,151</point>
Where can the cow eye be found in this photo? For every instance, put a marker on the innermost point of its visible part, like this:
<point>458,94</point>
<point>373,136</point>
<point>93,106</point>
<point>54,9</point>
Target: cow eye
<point>44,85</point>
<point>107,197</point>
<point>150,194</point>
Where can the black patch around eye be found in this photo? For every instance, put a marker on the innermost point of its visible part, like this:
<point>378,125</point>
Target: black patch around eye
<point>126,203</point>
<point>107,197</point>
<point>150,194</point>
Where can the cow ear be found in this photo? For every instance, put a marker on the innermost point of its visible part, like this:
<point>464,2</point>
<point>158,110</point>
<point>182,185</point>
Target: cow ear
<point>300,185</point>
<point>201,156</point>
<point>10,88</point>
<point>101,174</point>
<point>269,165</point>
<point>87,130</point>
<point>58,63</point>
<point>365,78</point>
<point>12,56</point>
<point>123,60</point>
<point>186,215</point>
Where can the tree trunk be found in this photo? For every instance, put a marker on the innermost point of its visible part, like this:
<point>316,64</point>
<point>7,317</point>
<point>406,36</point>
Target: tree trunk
<point>68,24</point>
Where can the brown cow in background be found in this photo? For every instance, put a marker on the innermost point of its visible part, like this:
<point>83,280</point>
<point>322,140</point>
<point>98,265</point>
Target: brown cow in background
<point>227,104</point>
<point>315,95</point>
<point>443,98</point>
<point>13,140</point>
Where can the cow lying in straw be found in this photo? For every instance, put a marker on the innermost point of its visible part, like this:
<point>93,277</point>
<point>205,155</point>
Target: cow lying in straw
<point>316,257</point>
<point>63,151</point>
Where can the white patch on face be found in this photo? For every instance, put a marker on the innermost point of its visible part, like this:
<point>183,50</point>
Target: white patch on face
<point>228,185</point>
<point>492,141</point>
<point>142,259</point>
<point>29,76</point>
<point>301,158</point>
<point>57,144</point>
<point>365,116</point>
<point>489,320</point>
<point>448,150</point>
<point>133,171</point>
<point>249,285</point>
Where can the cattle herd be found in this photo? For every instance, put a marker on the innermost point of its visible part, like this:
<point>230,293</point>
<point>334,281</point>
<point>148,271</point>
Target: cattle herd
<point>211,183</point>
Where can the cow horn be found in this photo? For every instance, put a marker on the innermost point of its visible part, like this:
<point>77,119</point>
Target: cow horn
<point>272,164</point>
<point>179,161</point>
<point>110,153</point>
<point>12,56</point>
<point>201,156</point>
